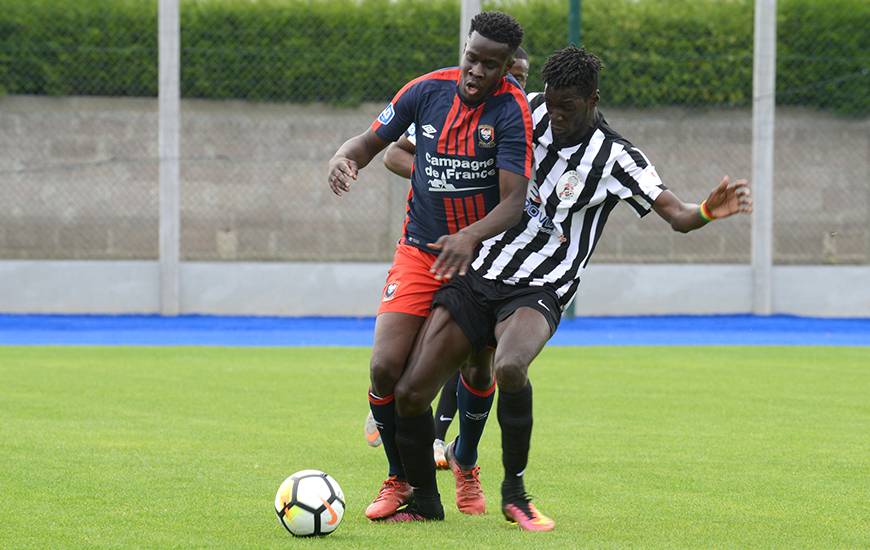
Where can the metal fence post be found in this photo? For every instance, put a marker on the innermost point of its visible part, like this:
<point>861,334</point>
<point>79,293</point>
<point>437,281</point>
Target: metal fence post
<point>575,12</point>
<point>763,105</point>
<point>470,8</point>
<point>168,146</point>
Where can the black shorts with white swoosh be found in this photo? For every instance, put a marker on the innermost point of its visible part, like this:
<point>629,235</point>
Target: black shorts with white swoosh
<point>478,305</point>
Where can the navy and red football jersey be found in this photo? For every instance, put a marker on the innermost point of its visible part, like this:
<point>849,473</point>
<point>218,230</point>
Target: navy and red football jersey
<point>460,149</point>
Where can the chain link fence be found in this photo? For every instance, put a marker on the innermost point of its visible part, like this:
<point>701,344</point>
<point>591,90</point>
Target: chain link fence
<point>822,161</point>
<point>272,88</point>
<point>78,173</point>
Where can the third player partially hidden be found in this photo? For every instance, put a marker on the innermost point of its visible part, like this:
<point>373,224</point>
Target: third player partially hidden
<point>521,280</point>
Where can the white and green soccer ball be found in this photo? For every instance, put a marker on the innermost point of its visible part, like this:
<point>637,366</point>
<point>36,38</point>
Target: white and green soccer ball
<point>309,503</point>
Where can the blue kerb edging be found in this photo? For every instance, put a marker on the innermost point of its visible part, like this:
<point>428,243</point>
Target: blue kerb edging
<point>201,330</point>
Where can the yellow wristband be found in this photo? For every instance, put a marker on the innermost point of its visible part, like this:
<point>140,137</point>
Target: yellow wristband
<point>705,212</point>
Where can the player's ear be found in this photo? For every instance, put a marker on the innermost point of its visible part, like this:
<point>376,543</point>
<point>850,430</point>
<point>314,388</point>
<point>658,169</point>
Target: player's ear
<point>596,97</point>
<point>507,66</point>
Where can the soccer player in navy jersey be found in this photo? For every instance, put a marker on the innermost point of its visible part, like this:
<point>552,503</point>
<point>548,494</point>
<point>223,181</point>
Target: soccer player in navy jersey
<point>522,279</point>
<point>472,165</point>
<point>399,158</point>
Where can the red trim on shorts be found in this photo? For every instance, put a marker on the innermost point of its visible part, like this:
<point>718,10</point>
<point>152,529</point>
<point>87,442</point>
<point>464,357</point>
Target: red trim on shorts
<point>376,400</point>
<point>478,393</point>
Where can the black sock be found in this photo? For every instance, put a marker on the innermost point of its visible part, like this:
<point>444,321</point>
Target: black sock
<point>384,412</point>
<point>414,437</point>
<point>427,505</point>
<point>446,408</point>
<point>515,419</point>
<point>512,489</point>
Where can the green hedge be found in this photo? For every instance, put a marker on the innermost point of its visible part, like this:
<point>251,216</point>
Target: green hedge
<point>656,52</point>
<point>108,47</point>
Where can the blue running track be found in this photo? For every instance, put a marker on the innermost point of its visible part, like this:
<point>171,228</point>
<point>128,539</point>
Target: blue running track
<point>197,330</point>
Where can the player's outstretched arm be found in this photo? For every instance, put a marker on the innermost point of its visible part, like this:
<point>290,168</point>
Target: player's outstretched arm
<point>351,157</point>
<point>727,199</point>
<point>457,250</point>
<point>399,158</point>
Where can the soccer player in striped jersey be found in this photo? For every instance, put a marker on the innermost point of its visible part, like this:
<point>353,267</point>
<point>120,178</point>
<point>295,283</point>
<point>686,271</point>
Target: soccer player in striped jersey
<point>399,158</point>
<point>521,280</point>
<point>473,161</point>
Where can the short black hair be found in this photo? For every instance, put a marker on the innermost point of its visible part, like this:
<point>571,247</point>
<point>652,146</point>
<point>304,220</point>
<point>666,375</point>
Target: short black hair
<point>572,66</point>
<point>499,27</point>
<point>521,53</point>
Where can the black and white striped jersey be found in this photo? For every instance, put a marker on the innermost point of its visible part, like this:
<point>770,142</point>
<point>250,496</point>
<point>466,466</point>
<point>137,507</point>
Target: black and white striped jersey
<point>573,191</point>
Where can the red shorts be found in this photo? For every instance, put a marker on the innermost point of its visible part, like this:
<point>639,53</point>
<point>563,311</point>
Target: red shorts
<point>410,286</point>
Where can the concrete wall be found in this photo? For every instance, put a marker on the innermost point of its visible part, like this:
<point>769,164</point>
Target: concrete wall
<point>354,289</point>
<point>78,179</point>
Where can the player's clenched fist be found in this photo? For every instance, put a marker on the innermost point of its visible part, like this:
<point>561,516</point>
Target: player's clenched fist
<point>341,172</point>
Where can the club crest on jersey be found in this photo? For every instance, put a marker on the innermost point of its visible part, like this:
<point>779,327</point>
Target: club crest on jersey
<point>390,291</point>
<point>387,114</point>
<point>486,135</point>
<point>568,186</point>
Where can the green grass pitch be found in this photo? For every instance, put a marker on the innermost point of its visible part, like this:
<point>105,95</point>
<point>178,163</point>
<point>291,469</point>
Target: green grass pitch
<point>652,447</point>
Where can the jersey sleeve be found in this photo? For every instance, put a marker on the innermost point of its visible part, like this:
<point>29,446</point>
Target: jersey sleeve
<point>514,137</point>
<point>411,134</point>
<point>399,114</point>
<point>634,180</point>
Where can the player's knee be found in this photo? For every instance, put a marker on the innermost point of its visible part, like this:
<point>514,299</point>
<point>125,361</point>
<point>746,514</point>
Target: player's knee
<point>476,376</point>
<point>511,373</point>
<point>385,372</point>
<point>410,401</point>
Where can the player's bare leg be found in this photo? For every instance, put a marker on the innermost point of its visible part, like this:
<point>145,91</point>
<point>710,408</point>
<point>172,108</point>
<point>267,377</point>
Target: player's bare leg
<point>520,339</point>
<point>443,347</point>
<point>395,334</point>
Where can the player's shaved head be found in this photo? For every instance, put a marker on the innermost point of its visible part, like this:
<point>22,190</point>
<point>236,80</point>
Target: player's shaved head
<point>499,27</point>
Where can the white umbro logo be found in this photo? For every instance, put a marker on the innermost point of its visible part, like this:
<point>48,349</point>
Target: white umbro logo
<point>429,131</point>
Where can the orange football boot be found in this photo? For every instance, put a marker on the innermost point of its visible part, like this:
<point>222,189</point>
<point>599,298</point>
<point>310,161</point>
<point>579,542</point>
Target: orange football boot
<point>469,494</point>
<point>394,493</point>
